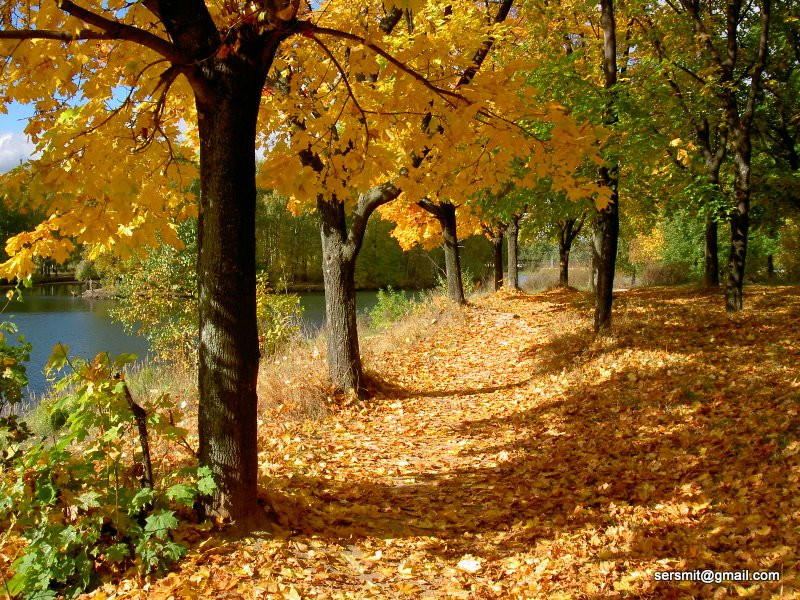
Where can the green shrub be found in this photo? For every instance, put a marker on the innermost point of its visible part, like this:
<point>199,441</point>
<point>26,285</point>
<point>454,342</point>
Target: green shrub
<point>392,305</point>
<point>85,269</point>
<point>13,379</point>
<point>158,299</point>
<point>83,499</point>
<point>468,281</point>
<point>278,316</point>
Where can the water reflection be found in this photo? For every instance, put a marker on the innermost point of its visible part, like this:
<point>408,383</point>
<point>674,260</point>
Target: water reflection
<point>56,314</point>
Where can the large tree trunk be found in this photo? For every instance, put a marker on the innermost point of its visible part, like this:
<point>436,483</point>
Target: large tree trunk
<point>226,270</point>
<point>563,264</point>
<point>512,237</point>
<point>497,249</point>
<point>609,236</point>
<point>742,127</point>
<point>338,271</point>
<point>608,218</point>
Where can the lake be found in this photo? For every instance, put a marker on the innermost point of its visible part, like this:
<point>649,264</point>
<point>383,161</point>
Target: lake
<point>56,314</point>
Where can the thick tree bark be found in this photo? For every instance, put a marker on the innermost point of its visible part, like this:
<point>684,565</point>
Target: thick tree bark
<point>226,268</point>
<point>338,271</point>
<point>609,235</point>
<point>608,219</point>
<point>512,237</point>
<point>452,260</point>
<point>497,251</point>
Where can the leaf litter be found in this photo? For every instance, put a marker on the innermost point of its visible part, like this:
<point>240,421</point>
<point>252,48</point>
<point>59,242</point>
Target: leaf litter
<point>511,454</point>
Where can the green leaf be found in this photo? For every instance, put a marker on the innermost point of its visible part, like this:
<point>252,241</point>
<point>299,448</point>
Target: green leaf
<point>89,500</point>
<point>118,552</point>
<point>59,358</point>
<point>205,481</point>
<point>160,523</point>
<point>182,493</point>
<point>123,359</point>
<point>142,497</point>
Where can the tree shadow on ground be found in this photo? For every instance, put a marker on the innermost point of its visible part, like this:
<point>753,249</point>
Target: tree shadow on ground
<point>693,472</point>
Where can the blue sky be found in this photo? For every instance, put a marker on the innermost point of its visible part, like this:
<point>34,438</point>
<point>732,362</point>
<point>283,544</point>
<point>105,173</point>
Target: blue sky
<point>14,145</point>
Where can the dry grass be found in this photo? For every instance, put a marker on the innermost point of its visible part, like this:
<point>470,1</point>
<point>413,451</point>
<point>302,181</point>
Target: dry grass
<point>293,385</point>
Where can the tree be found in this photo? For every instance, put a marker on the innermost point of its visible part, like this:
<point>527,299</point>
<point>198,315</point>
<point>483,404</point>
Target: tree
<point>496,231</point>
<point>120,112</point>
<point>512,239</point>
<point>738,88</point>
<point>608,217</point>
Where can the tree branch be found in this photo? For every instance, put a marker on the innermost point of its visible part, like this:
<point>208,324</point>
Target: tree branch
<point>367,203</point>
<point>121,31</point>
<point>310,28</point>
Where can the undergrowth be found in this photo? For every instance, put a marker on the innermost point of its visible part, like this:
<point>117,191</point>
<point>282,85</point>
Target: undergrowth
<point>85,500</point>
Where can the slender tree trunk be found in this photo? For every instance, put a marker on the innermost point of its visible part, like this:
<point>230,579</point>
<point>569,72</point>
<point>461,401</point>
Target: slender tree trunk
<point>452,260</point>
<point>597,241</point>
<point>338,271</point>
<point>740,224</point>
<point>742,127</point>
<point>445,213</point>
<point>512,237</point>
<point>711,277</point>
<point>567,232</point>
<point>609,217</point>
<point>497,247</point>
<point>226,268</point>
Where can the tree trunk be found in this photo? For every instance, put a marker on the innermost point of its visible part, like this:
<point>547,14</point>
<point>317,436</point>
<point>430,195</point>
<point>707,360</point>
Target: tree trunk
<point>711,278</point>
<point>338,271</point>
<point>742,126</point>
<point>512,237</point>
<point>226,270</point>
<point>497,247</point>
<point>597,242</point>
<point>609,236</point>
<point>609,217</point>
<point>445,213</point>
<point>452,261</point>
<point>563,264</point>
<point>740,223</point>
<point>567,232</point>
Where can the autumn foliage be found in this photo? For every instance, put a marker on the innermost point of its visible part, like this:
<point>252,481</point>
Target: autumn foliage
<point>510,454</point>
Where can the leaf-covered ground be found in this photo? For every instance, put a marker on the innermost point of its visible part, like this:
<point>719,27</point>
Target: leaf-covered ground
<point>509,454</point>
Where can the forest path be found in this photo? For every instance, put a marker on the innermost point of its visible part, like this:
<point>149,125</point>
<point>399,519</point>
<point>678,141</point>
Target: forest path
<point>510,454</point>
